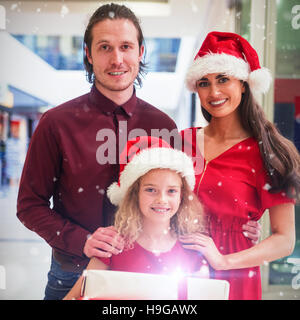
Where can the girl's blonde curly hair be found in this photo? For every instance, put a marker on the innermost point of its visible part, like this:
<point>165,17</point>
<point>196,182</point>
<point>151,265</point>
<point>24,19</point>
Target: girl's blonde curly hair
<point>189,218</point>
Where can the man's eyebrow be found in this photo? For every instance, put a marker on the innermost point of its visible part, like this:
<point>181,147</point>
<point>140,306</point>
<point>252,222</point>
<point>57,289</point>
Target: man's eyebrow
<point>107,41</point>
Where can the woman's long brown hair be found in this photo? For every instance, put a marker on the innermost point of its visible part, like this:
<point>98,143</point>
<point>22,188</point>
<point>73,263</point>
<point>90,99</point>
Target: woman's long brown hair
<point>280,156</point>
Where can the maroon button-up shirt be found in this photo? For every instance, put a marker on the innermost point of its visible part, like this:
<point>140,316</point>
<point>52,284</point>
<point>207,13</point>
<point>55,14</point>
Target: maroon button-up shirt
<point>65,160</point>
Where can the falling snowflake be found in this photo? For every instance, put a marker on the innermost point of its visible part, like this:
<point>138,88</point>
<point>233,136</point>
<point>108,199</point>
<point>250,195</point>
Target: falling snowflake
<point>195,221</point>
<point>14,6</point>
<point>266,187</point>
<point>253,170</point>
<point>111,14</point>
<point>64,10</point>
<point>194,7</point>
<point>191,197</point>
<point>80,190</point>
<point>101,191</point>
<point>251,274</point>
<point>57,233</point>
<point>54,179</point>
<point>219,184</point>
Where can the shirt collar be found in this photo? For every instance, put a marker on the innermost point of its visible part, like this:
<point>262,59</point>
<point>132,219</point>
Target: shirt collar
<point>106,105</point>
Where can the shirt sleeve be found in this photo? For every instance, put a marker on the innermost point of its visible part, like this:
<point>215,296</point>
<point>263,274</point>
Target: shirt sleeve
<point>268,199</point>
<point>37,185</point>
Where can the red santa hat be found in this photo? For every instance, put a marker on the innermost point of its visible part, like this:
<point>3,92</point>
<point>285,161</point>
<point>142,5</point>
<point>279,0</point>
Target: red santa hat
<point>231,54</point>
<point>143,154</point>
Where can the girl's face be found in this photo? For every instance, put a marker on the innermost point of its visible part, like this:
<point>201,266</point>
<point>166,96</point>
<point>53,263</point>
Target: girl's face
<point>220,95</point>
<point>160,194</point>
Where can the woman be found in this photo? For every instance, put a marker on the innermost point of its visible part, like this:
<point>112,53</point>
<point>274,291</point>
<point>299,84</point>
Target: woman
<point>248,166</point>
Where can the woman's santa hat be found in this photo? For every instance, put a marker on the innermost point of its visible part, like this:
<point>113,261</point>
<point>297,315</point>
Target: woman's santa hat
<point>231,54</point>
<point>144,154</point>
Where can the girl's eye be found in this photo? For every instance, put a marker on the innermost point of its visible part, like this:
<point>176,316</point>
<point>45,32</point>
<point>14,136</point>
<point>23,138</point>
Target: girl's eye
<point>173,191</point>
<point>150,190</point>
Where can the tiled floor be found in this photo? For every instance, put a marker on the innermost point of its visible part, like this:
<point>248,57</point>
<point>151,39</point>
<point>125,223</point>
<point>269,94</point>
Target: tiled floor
<point>24,256</point>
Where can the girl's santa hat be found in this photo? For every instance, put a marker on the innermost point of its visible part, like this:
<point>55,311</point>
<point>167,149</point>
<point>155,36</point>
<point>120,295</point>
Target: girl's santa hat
<point>231,54</point>
<point>144,154</point>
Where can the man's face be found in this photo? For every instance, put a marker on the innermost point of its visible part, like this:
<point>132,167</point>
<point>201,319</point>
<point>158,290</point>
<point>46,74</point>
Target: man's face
<point>115,56</point>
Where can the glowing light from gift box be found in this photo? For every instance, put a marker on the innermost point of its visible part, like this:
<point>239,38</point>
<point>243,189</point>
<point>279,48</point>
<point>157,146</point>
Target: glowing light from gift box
<point>178,274</point>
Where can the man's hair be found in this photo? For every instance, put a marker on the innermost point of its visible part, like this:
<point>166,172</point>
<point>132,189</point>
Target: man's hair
<point>111,11</point>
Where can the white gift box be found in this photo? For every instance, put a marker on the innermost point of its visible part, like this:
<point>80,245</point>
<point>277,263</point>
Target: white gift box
<point>117,285</point>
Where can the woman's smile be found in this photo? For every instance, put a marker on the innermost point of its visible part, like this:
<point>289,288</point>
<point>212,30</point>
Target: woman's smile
<point>218,103</point>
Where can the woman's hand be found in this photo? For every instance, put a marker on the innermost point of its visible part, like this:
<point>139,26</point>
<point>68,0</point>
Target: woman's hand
<point>252,230</point>
<point>204,244</point>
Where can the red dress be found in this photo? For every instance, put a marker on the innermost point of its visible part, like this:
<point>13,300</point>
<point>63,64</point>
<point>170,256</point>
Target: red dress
<point>141,260</point>
<point>233,188</point>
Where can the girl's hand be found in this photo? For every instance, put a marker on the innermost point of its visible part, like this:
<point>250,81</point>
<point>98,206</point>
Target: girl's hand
<point>204,244</point>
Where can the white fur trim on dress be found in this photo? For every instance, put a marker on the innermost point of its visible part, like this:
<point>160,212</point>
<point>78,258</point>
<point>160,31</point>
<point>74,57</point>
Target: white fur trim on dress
<point>259,80</point>
<point>146,160</point>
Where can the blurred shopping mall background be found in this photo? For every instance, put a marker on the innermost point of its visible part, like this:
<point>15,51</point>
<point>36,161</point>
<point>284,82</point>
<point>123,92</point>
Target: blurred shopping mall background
<point>41,67</point>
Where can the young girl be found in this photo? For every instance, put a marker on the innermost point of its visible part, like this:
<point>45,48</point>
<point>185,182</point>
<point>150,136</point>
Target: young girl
<point>156,204</point>
<point>248,165</point>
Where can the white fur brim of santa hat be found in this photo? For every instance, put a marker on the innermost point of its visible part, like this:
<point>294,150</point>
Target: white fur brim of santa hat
<point>149,159</point>
<point>232,55</point>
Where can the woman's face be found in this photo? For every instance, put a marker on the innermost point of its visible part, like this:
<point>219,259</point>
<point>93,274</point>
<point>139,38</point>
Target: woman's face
<point>220,95</point>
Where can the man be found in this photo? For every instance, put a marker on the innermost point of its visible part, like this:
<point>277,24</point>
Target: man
<point>64,160</point>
